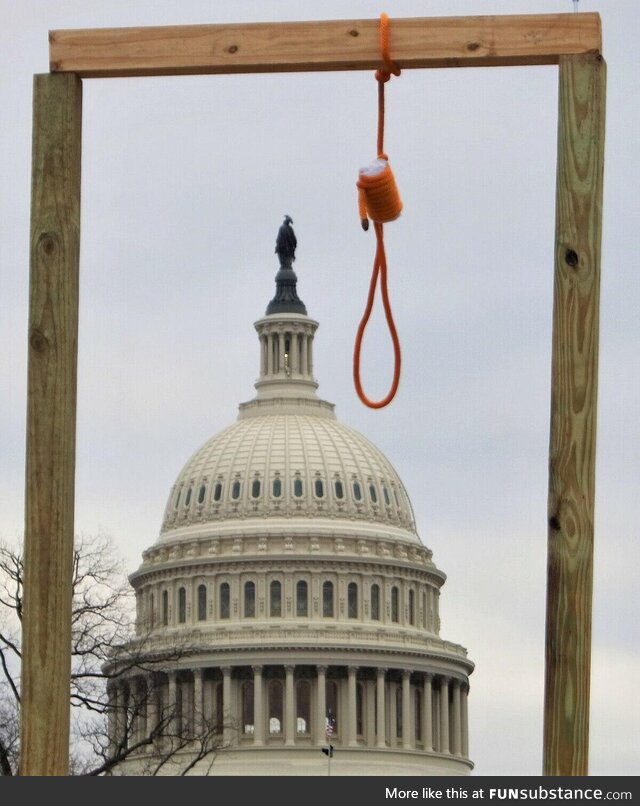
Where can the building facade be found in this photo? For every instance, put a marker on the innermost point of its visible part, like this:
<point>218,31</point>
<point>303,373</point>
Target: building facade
<point>289,570</point>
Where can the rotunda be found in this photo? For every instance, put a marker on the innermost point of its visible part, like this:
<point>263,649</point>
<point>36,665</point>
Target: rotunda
<point>289,572</point>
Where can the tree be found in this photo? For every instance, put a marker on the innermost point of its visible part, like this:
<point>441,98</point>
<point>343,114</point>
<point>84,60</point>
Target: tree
<point>107,651</point>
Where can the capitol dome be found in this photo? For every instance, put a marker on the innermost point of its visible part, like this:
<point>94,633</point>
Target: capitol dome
<point>289,566</point>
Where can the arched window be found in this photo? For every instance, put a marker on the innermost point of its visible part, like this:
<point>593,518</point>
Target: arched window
<point>303,707</point>
<point>225,600</point>
<point>274,693</point>
<point>182,605</point>
<point>339,488</point>
<point>302,608</point>
<point>187,500</point>
<point>319,488</point>
<point>352,600</point>
<point>217,492</point>
<point>255,488</point>
<point>249,599</point>
<point>395,609</point>
<point>357,491</point>
<point>277,488</point>
<point>359,709</point>
<point>412,607</point>
<point>327,599</point>
<point>201,493</point>
<point>373,494</point>
<point>202,602</point>
<point>165,608</point>
<point>375,602</point>
<point>247,707</point>
<point>275,598</point>
<point>235,490</point>
<point>424,610</point>
<point>178,499</point>
<point>333,716</point>
<point>151,611</point>
<point>385,492</point>
<point>297,488</point>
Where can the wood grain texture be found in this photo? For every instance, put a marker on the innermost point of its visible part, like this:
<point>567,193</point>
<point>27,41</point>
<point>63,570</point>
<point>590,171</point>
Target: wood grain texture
<point>573,414</point>
<point>51,426</point>
<point>327,45</point>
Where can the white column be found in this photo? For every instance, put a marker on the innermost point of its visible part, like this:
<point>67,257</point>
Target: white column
<point>380,692</point>
<point>281,341</point>
<point>198,702</point>
<point>289,707</point>
<point>321,703</point>
<point>352,738</point>
<point>171,717</point>
<point>152,707</point>
<point>444,715</point>
<point>393,721</point>
<point>112,716</point>
<point>427,717</point>
<point>456,739</point>
<point>406,709</point>
<point>258,709</point>
<point>269,354</point>
<point>226,705</point>
<point>303,355</point>
<point>139,704</point>
<point>464,722</point>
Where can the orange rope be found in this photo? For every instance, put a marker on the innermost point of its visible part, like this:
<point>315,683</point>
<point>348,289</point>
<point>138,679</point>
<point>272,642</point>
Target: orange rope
<point>379,200</point>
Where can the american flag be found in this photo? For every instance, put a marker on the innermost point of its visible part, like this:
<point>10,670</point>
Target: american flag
<point>330,725</point>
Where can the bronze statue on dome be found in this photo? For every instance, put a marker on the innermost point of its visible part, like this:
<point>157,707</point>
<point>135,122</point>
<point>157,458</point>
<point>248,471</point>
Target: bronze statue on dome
<point>286,242</point>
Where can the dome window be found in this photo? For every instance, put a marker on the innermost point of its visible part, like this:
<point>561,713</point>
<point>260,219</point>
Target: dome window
<point>178,499</point>
<point>277,488</point>
<point>302,608</point>
<point>201,493</point>
<point>373,494</point>
<point>165,608</point>
<point>255,488</point>
<point>395,610</point>
<point>225,597</point>
<point>412,607</point>
<point>385,492</point>
<point>249,599</point>
<point>375,602</point>
<point>297,488</point>
<point>275,598</point>
<point>187,500</point>
<point>217,492</point>
<point>182,605</point>
<point>319,488</point>
<point>357,491</point>
<point>327,599</point>
<point>338,487</point>
<point>352,600</point>
<point>235,490</point>
<point>202,602</point>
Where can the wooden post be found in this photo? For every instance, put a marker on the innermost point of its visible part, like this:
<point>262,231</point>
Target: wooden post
<point>573,413</point>
<point>51,424</point>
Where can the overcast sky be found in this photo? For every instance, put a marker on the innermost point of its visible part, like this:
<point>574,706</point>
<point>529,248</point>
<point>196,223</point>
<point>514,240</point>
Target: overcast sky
<point>185,182</point>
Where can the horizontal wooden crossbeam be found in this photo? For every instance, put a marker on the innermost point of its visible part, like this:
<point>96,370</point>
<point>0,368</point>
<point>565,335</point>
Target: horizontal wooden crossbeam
<point>329,45</point>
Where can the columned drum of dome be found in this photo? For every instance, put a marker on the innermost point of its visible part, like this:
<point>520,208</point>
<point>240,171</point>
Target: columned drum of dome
<point>289,564</point>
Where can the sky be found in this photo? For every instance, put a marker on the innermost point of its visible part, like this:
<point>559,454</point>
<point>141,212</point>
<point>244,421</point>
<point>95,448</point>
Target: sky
<point>185,181</point>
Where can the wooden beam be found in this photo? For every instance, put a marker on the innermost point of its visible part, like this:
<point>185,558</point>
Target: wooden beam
<point>573,413</point>
<point>51,424</point>
<point>330,45</point>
